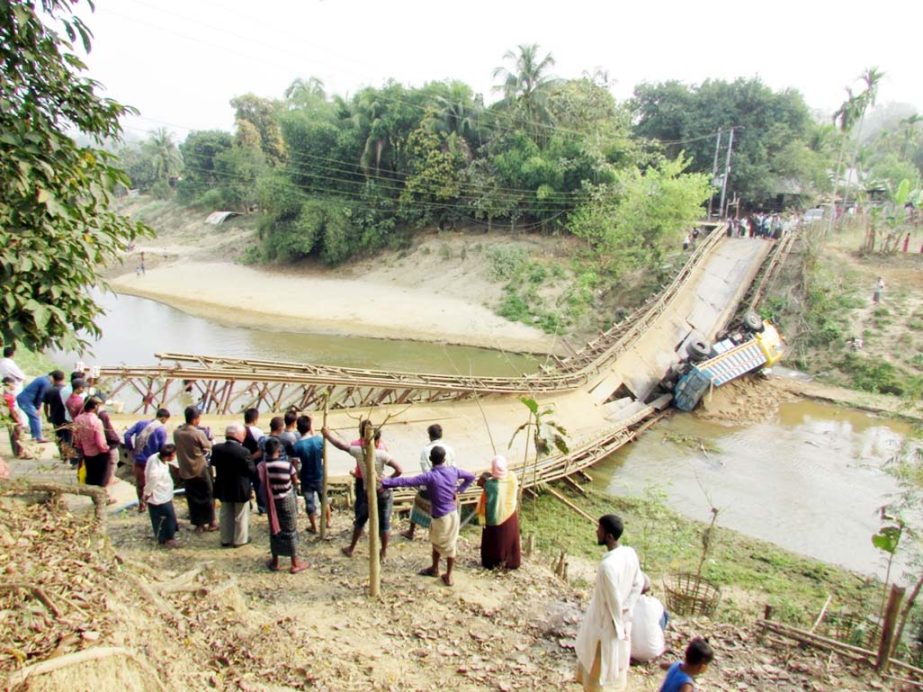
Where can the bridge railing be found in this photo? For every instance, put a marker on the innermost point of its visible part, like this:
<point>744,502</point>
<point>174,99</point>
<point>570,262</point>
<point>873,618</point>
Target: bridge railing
<point>225,385</point>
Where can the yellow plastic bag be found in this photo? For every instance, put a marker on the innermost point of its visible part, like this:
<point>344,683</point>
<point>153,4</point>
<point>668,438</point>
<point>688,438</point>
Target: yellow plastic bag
<point>81,473</point>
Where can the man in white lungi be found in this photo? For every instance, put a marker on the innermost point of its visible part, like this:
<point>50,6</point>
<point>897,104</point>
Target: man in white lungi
<point>604,640</point>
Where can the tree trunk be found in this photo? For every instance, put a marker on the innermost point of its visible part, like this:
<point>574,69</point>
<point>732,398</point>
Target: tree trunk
<point>887,629</point>
<point>905,613</point>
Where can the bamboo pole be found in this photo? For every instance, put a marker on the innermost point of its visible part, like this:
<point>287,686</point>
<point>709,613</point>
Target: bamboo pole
<point>911,599</point>
<point>883,659</point>
<point>323,487</point>
<point>570,504</point>
<point>371,488</point>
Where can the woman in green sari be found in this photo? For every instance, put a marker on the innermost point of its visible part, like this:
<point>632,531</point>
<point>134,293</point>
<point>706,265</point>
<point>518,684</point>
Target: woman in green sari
<point>497,514</point>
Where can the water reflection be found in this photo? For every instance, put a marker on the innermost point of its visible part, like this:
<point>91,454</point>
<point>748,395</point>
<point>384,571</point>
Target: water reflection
<point>812,482</point>
<point>136,328</point>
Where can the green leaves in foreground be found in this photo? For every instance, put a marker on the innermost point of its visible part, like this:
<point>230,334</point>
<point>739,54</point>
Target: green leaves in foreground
<point>56,228</point>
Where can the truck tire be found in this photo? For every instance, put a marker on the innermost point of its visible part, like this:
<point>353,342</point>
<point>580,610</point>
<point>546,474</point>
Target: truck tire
<point>698,350</point>
<point>752,321</point>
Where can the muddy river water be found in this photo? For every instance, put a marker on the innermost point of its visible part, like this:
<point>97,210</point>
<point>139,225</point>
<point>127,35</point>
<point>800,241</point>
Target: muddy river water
<point>135,328</point>
<point>811,481</point>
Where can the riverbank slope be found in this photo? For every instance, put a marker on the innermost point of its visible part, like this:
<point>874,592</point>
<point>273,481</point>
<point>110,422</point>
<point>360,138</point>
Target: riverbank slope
<point>444,288</point>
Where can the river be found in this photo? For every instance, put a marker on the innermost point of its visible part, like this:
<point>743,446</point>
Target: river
<point>134,329</point>
<point>812,481</point>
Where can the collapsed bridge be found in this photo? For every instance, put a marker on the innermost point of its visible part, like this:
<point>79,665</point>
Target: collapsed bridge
<point>603,394</point>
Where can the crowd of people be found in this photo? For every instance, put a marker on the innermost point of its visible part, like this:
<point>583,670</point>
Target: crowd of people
<point>270,470</point>
<point>624,621</point>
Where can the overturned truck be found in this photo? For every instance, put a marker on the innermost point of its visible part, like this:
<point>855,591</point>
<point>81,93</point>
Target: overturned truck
<point>753,345</point>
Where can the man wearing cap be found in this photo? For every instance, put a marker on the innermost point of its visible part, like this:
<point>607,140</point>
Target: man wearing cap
<point>604,640</point>
<point>234,474</point>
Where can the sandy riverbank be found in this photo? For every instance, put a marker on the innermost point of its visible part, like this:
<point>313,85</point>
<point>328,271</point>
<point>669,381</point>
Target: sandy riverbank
<point>255,298</point>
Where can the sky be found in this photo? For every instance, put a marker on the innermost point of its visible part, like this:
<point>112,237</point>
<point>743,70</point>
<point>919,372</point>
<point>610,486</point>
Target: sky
<point>181,61</point>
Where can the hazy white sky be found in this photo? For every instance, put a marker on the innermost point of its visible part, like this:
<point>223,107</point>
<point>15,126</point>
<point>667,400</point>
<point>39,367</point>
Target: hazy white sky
<point>180,61</point>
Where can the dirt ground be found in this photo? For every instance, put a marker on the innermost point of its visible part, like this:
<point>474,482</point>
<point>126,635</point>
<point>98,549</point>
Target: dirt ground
<point>205,617</point>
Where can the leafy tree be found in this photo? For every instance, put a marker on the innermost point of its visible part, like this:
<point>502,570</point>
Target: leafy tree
<point>767,125</point>
<point>200,151</point>
<point>629,222</point>
<point>432,190</point>
<point>56,226</point>
<point>257,124</point>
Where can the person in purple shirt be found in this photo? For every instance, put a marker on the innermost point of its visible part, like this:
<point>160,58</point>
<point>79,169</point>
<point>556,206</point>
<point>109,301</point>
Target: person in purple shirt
<point>143,439</point>
<point>442,486</point>
<point>31,398</point>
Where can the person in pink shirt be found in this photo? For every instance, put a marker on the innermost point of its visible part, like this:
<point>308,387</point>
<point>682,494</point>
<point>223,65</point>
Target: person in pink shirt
<point>74,403</point>
<point>90,440</point>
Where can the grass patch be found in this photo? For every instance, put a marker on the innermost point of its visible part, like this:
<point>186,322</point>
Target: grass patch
<point>873,374</point>
<point>752,572</point>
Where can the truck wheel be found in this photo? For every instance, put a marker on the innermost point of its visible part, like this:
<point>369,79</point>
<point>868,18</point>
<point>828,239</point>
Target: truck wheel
<point>752,321</point>
<point>698,350</point>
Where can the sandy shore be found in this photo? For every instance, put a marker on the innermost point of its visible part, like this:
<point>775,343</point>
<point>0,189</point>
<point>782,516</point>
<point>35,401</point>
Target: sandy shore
<point>255,298</point>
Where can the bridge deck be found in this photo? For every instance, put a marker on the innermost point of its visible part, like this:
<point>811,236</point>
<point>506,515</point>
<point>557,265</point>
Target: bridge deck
<point>598,394</point>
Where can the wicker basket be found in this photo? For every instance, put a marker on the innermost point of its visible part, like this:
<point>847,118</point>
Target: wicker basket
<point>688,595</point>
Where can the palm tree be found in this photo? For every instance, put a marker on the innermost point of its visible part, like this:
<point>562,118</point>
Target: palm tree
<point>305,90</point>
<point>369,117</point>
<point>165,157</point>
<point>852,113</point>
<point>527,84</point>
<point>459,112</point>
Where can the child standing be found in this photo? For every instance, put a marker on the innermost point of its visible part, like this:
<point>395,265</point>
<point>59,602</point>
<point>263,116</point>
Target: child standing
<point>681,675</point>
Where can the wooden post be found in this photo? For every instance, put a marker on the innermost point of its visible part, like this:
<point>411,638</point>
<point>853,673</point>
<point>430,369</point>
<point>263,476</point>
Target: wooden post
<point>323,487</point>
<point>883,660</point>
<point>371,488</point>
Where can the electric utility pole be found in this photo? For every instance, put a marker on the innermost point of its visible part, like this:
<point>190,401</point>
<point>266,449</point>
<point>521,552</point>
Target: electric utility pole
<point>714,170</point>
<point>727,170</point>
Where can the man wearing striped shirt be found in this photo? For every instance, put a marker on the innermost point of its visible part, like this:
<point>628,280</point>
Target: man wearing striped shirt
<point>277,474</point>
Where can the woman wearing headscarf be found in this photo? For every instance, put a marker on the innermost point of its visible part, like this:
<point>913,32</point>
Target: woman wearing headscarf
<point>497,514</point>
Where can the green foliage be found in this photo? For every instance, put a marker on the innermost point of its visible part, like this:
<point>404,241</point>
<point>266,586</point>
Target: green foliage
<point>876,375</point>
<point>888,538</point>
<point>506,261</point>
<point>56,226</point>
<point>629,222</point>
<point>200,151</point>
<point>776,140</point>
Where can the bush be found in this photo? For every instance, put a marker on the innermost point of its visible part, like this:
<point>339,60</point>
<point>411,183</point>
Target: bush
<point>506,261</point>
<point>161,190</point>
<point>515,308</point>
<point>212,199</point>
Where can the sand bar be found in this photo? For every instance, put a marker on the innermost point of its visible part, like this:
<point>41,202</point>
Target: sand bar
<point>250,297</point>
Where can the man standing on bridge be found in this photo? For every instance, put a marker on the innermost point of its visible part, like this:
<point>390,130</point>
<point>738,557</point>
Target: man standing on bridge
<point>604,641</point>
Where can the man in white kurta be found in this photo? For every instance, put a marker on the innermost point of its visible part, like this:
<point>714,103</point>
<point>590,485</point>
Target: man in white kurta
<point>604,640</point>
